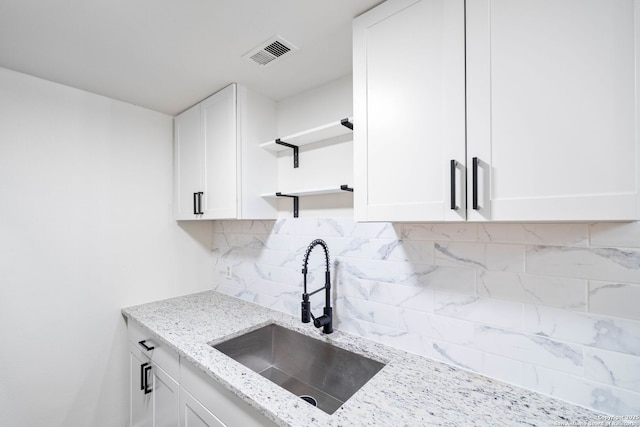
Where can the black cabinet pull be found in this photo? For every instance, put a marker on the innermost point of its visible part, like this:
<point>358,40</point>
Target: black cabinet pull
<point>454,165</point>
<point>145,368</point>
<point>143,383</point>
<point>144,345</point>
<point>475,182</point>
<point>200,203</point>
<point>195,203</point>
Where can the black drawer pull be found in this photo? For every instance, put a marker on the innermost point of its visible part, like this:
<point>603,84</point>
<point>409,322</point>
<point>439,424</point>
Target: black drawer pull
<point>144,345</point>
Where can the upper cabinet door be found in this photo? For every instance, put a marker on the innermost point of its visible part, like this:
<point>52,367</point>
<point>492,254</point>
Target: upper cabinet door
<point>219,127</point>
<point>189,164</point>
<point>552,109</point>
<point>409,111</point>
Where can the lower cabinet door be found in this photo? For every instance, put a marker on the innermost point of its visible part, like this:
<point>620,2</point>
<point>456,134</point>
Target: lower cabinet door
<point>154,395</point>
<point>193,414</point>
<point>166,399</point>
<point>140,404</point>
<point>212,397</point>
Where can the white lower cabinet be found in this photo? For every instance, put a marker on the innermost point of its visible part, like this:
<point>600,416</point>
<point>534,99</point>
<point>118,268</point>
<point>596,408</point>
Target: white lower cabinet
<point>204,402</point>
<point>154,394</point>
<point>167,391</point>
<point>194,414</point>
<point>140,404</point>
<point>165,400</point>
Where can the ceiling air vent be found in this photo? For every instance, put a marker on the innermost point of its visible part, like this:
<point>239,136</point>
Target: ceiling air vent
<point>271,50</point>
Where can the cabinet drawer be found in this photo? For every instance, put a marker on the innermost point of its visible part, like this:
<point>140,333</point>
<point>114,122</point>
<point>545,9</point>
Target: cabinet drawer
<point>160,353</point>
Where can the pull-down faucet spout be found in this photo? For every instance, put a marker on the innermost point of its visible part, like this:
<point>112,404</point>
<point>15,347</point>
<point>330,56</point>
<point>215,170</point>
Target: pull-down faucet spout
<point>326,320</point>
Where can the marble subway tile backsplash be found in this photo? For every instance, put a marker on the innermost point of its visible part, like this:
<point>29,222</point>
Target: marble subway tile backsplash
<point>551,307</point>
<point>560,292</point>
<point>622,299</point>
<point>618,264</point>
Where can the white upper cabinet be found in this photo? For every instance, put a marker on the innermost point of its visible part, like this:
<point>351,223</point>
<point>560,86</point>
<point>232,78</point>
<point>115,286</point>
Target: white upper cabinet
<point>188,163</point>
<point>409,110</point>
<point>551,110</point>
<point>220,139</point>
<point>220,169</point>
<point>552,116</point>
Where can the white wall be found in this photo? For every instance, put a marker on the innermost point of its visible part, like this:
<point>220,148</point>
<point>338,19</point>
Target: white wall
<point>322,104</point>
<point>85,229</point>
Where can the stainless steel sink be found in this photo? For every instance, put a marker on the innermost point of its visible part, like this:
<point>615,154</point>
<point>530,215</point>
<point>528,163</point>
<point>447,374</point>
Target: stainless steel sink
<point>303,365</point>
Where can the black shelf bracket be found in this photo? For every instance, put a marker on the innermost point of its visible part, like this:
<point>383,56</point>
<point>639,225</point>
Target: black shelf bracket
<point>295,151</point>
<point>345,187</point>
<point>295,202</point>
<point>346,123</point>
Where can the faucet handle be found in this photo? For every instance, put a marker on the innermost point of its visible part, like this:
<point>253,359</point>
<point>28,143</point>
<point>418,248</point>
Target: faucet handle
<point>325,321</point>
<point>321,321</point>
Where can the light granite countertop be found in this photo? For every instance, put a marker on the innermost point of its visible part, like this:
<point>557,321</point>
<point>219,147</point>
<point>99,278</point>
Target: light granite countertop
<point>409,391</point>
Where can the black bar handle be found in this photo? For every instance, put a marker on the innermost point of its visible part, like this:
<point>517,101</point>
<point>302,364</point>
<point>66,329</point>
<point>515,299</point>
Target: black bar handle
<point>147,388</point>
<point>144,345</point>
<point>200,203</point>
<point>454,165</point>
<point>475,182</point>
<point>195,203</point>
<point>143,383</point>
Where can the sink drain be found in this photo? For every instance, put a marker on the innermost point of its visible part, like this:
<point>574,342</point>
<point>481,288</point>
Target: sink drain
<point>309,399</point>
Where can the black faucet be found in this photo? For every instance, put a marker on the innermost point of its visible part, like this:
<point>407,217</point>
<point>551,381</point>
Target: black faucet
<point>326,320</point>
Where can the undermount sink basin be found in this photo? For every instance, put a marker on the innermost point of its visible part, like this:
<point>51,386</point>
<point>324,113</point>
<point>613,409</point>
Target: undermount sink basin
<point>307,367</point>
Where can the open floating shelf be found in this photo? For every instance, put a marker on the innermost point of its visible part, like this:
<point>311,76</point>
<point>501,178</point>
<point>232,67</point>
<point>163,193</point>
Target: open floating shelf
<point>309,136</point>
<point>308,192</point>
<point>311,191</point>
<point>293,142</point>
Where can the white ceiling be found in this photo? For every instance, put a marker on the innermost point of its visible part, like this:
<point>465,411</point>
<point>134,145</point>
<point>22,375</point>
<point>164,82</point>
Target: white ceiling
<point>167,55</point>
